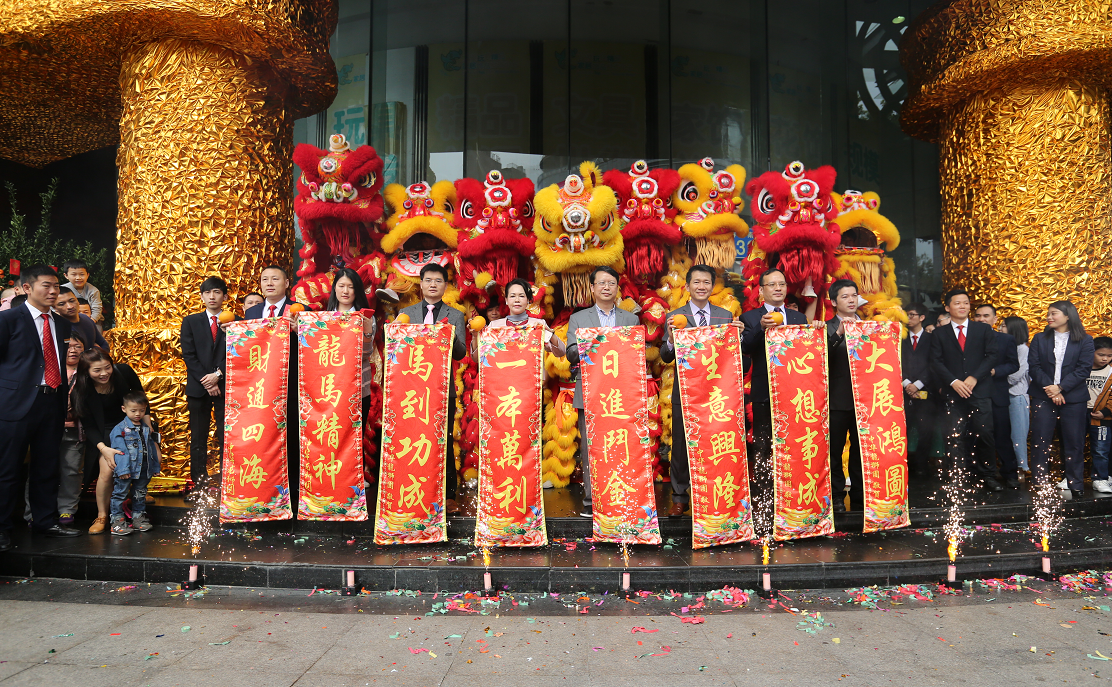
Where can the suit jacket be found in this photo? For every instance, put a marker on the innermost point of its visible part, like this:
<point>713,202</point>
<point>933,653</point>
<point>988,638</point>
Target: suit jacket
<point>1007,362</point>
<point>585,319</point>
<point>201,354</point>
<point>1076,365</point>
<point>949,362</point>
<point>841,385</point>
<point>917,361</point>
<point>668,352</point>
<point>22,361</point>
<point>753,345</point>
<point>417,312</point>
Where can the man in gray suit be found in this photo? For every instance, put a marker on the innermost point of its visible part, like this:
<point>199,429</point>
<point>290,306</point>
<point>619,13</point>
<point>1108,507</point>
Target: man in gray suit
<point>604,313</point>
<point>432,309</point>
<point>699,313</point>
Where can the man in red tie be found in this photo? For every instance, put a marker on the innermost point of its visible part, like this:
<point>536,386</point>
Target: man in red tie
<point>32,369</point>
<point>919,396</point>
<point>963,354</point>
<point>202,350</point>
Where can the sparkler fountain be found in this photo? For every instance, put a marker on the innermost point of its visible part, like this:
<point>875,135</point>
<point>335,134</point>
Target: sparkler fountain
<point>1048,501</point>
<point>956,493</point>
<point>199,526</point>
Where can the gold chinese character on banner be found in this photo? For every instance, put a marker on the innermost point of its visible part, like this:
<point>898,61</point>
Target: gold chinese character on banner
<point>417,364</point>
<point>893,440</point>
<point>873,357</point>
<point>253,432</point>
<point>255,396</point>
<point>328,431</point>
<point>511,444</point>
<point>809,450</point>
<point>412,494</point>
<point>711,362</point>
<point>328,392</point>
<point>413,405</point>
<point>610,363</point>
<point>510,406</point>
<point>883,399</point>
<point>252,473</point>
<point>612,405</point>
<point>724,489</point>
<point>804,404</point>
<point>328,348</point>
<point>895,479</point>
<point>808,491</point>
<point>512,363</point>
<point>723,444</point>
<point>616,437</point>
<point>617,489</point>
<point>799,365</point>
<point>716,406</point>
<point>256,359</point>
<point>327,468</point>
<point>511,492</point>
<point>421,449</point>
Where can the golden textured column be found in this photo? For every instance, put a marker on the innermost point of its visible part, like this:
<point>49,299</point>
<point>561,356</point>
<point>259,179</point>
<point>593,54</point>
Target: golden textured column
<point>1015,95</point>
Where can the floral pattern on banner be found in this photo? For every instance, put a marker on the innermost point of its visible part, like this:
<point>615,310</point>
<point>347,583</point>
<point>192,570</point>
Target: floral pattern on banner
<point>418,364</point>
<point>876,370</point>
<point>615,402</point>
<point>255,486</point>
<point>330,395</point>
<point>511,415</point>
<point>798,389</point>
<point>710,374</point>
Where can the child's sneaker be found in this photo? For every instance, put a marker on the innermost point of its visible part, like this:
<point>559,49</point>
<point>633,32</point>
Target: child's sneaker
<point>1102,486</point>
<point>141,522</point>
<point>120,526</point>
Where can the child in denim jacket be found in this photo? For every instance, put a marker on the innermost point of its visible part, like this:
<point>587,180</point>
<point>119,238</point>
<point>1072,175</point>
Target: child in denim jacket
<point>137,462</point>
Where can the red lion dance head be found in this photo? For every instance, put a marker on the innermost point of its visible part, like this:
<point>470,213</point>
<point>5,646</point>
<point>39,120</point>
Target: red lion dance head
<point>795,232</point>
<point>645,212</point>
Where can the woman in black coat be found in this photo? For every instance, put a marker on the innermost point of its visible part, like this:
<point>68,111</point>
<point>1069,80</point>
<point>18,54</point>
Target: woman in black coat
<point>98,395</point>
<point>1060,359</point>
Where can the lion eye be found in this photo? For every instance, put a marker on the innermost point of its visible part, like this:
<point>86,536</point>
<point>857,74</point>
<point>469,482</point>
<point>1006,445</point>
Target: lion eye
<point>689,192</point>
<point>765,202</point>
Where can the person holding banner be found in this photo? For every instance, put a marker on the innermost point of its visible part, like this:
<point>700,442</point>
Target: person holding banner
<point>518,297</point>
<point>432,309</point>
<point>699,313</point>
<point>347,295</point>
<point>604,313</point>
<point>843,416</point>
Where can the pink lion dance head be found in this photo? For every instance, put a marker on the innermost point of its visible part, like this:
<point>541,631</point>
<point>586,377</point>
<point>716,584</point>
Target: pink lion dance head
<point>645,212</point>
<point>495,222</point>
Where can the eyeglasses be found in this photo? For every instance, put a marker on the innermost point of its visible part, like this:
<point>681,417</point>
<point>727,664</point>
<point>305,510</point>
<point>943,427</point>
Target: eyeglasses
<point>606,283</point>
<point>432,281</point>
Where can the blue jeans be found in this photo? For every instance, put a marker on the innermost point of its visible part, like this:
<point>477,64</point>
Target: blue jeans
<point>1020,412</point>
<point>138,499</point>
<point>1100,441</point>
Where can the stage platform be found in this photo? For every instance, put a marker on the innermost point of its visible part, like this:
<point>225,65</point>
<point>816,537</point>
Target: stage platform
<point>307,555</point>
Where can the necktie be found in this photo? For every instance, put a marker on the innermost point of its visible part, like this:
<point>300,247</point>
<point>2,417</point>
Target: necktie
<point>914,341</point>
<point>428,315</point>
<point>702,319</point>
<point>50,355</point>
<point>272,309</point>
<point>780,310</point>
<point>214,327</point>
<point>961,336</point>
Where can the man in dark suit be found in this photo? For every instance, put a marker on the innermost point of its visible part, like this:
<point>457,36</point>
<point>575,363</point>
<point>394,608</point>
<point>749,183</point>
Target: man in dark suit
<point>432,309</point>
<point>699,313</point>
<point>1007,362</point>
<point>33,383</point>
<point>604,313</point>
<point>843,416</point>
<point>963,354</point>
<point>275,286</point>
<point>919,401</point>
<point>202,350</point>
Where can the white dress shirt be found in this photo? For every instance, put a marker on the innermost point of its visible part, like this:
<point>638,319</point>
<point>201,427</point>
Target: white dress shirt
<point>964,325</point>
<point>695,313</point>
<point>608,319</point>
<point>773,308</point>
<point>278,307</point>
<point>37,315</point>
<point>1061,340</point>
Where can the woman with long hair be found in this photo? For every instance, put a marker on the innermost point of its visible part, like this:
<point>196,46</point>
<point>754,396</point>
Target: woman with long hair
<point>1019,404</point>
<point>348,294</point>
<point>1060,359</point>
<point>98,393</point>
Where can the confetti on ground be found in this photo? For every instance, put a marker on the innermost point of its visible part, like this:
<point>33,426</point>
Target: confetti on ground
<point>664,651</point>
<point>220,643</point>
<point>149,657</point>
<point>417,651</point>
<point>812,623</point>
<point>1099,657</point>
<point>70,634</point>
<point>186,628</point>
<point>641,629</point>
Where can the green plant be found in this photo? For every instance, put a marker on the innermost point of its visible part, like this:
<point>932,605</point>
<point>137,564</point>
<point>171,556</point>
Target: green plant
<point>40,247</point>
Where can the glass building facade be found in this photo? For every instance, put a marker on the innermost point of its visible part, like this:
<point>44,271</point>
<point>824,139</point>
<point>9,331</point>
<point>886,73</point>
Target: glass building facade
<point>451,88</point>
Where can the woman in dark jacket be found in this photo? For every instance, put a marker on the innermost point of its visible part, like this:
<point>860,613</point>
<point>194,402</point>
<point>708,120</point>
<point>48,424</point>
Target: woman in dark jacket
<point>1060,359</point>
<point>98,400</point>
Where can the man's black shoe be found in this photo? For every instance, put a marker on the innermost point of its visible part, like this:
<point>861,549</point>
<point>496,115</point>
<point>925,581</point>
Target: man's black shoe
<point>1077,494</point>
<point>5,541</point>
<point>59,531</point>
<point>992,485</point>
<point>839,506</point>
<point>1012,483</point>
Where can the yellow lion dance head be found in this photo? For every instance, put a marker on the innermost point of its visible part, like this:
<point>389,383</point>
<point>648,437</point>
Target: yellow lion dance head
<point>867,236</point>
<point>708,203</point>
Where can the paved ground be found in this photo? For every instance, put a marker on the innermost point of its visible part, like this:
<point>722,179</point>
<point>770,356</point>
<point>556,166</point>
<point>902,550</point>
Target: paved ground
<point>55,632</point>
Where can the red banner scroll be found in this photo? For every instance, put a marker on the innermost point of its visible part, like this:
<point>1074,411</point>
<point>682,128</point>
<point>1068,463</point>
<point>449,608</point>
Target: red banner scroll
<point>414,434</point>
<point>615,400</point>
<point>709,372</point>
<point>875,370</point>
<point>330,397</point>
<point>256,484</point>
<point>797,382</point>
<point>511,413</point>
